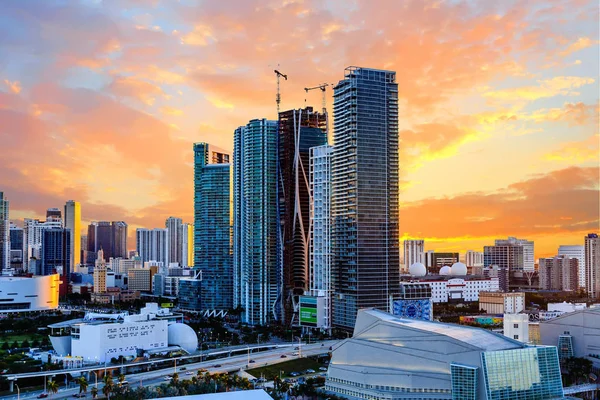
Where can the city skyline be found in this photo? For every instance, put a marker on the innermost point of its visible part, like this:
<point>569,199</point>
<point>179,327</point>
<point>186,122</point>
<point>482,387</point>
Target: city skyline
<point>497,113</point>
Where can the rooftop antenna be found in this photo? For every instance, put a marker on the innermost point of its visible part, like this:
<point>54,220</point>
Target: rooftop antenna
<point>278,97</point>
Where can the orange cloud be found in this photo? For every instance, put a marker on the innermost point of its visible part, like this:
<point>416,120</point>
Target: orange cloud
<point>577,152</point>
<point>171,111</point>
<point>14,87</point>
<point>559,85</point>
<point>135,88</point>
<point>580,44</point>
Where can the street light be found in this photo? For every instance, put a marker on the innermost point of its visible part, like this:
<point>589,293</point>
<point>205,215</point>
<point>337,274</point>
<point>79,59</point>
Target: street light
<point>96,375</point>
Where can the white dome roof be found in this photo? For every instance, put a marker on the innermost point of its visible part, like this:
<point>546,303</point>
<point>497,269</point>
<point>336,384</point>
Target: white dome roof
<point>183,336</point>
<point>417,269</point>
<point>459,269</point>
<point>445,270</point>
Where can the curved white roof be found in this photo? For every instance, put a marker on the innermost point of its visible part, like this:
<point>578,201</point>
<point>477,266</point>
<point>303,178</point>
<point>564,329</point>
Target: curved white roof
<point>477,337</point>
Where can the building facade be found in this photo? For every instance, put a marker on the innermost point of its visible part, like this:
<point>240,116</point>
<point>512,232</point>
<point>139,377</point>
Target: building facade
<point>4,233</point>
<point>16,247</point>
<point>212,222</point>
<point>320,228</point>
<point>436,260</point>
<point>366,260</point>
<point>414,252</point>
<point>174,227</point>
<point>55,253</point>
<point>73,223</point>
<point>187,245</point>
<point>559,273</point>
<point>258,281</point>
<point>578,252</point>
<point>527,245</point>
<point>592,265</point>
<point>153,244</point>
<point>502,303</point>
<point>53,214</point>
<point>474,259</point>
<point>119,239</point>
<point>299,130</point>
<point>32,237</point>
<point>100,273</point>
<point>395,358</point>
<point>21,294</point>
<point>504,256</point>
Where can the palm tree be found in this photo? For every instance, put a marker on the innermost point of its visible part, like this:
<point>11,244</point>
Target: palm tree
<point>94,392</point>
<point>108,385</point>
<point>175,379</point>
<point>121,379</point>
<point>83,384</point>
<point>52,387</point>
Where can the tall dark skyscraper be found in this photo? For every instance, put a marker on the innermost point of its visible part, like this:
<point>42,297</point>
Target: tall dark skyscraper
<point>119,239</point>
<point>364,165</point>
<point>55,252</point>
<point>16,247</point>
<point>258,280</point>
<point>104,238</point>
<point>299,130</point>
<point>4,233</point>
<point>212,233</point>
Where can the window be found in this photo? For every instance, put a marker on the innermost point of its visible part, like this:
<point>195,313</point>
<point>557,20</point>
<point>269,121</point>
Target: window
<point>516,326</point>
<point>516,337</point>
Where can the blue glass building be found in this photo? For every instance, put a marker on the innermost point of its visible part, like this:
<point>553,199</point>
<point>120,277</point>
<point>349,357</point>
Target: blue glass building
<point>364,203</point>
<point>258,280</point>
<point>212,233</point>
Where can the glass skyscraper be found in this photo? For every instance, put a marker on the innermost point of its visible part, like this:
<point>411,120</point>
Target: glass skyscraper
<point>364,193</point>
<point>299,130</point>
<point>212,232</point>
<point>4,234</point>
<point>258,280</point>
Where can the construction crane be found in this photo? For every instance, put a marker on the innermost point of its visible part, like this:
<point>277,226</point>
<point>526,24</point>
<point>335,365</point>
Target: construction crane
<point>322,87</point>
<point>278,97</point>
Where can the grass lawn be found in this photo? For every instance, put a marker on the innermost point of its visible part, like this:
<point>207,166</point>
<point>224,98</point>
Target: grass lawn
<point>299,365</point>
<point>20,338</point>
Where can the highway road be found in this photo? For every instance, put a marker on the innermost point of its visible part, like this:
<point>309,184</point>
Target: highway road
<point>228,364</point>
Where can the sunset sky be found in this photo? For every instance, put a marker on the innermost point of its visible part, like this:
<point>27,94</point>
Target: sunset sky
<point>101,100</point>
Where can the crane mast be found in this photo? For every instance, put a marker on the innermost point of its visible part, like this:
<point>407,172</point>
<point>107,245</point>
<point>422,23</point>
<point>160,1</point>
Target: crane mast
<point>278,97</point>
<point>324,98</point>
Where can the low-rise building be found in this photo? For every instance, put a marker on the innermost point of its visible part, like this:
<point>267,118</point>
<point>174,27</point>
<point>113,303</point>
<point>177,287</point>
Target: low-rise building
<point>141,278</point>
<point>100,337</point>
<point>502,303</point>
<point>516,326</point>
<point>446,288</point>
<point>577,334</point>
<point>394,358</point>
<point>20,294</point>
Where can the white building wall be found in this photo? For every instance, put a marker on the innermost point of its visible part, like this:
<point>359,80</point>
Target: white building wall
<point>153,244</point>
<point>474,258</point>
<point>516,326</point>
<point>105,341</point>
<point>32,237</point>
<point>457,289</point>
<point>578,252</point>
<point>414,252</point>
<point>320,226</point>
<point>40,291</point>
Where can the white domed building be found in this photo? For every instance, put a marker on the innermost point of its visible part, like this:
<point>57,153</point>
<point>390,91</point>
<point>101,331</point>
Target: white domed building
<point>417,269</point>
<point>445,270</point>
<point>182,335</point>
<point>458,269</point>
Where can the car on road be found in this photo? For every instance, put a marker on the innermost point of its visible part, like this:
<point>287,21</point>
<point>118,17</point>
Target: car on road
<point>42,395</point>
<point>322,369</point>
<point>283,356</point>
<point>310,371</point>
<point>296,348</point>
<point>294,373</point>
<point>167,378</point>
<point>294,354</point>
<point>182,368</point>
<point>252,361</point>
<point>217,366</point>
<point>79,395</point>
<point>189,373</point>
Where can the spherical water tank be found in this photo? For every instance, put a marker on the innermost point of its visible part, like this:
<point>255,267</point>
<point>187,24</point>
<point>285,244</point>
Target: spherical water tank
<point>183,336</point>
<point>417,269</point>
<point>445,270</point>
<point>459,269</point>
